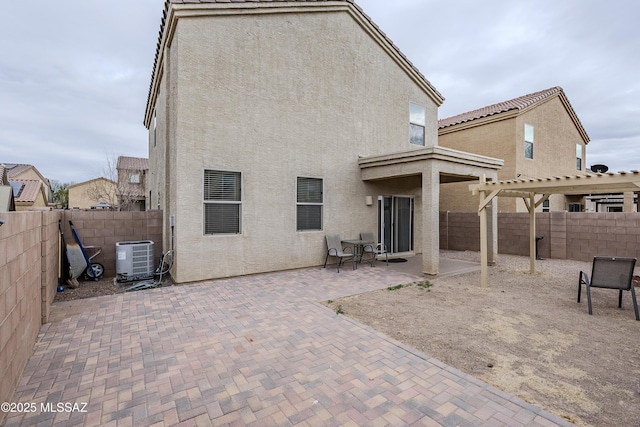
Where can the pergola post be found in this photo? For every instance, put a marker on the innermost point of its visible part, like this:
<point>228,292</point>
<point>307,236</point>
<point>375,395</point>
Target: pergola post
<point>484,247</point>
<point>532,232</point>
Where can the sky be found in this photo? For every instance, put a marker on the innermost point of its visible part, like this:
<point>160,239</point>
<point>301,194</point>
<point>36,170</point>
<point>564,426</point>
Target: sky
<point>75,74</point>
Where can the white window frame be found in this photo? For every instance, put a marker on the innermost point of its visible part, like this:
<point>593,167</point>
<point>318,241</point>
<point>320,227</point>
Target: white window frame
<point>222,202</point>
<point>528,143</point>
<point>155,123</point>
<point>417,122</point>
<point>579,156</point>
<point>134,178</point>
<point>300,204</point>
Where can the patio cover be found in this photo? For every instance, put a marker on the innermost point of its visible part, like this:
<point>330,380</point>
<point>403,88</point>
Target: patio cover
<point>435,165</point>
<point>534,191</point>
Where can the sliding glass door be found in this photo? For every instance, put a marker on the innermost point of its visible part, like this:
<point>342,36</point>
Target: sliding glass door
<point>395,223</point>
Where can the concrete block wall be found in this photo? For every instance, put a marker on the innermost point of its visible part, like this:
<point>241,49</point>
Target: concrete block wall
<point>567,235</point>
<point>50,255</point>
<point>463,231</point>
<point>29,260</point>
<point>603,234</point>
<point>25,242</point>
<point>106,228</point>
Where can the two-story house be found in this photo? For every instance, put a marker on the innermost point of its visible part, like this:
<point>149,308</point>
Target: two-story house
<point>132,178</point>
<point>273,124</point>
<point>537,135</point>
<point>31,190</point>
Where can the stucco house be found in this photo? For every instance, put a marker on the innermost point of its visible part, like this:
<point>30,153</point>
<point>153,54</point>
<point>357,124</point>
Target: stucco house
<point>273,124</point>
<point>29,194</point>
<point>538,135</point>
<point>95,192</point>
<point>31,190</point>
<point>132,181</point>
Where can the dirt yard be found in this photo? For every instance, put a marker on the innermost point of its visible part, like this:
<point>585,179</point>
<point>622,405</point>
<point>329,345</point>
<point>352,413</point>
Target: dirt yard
<point>524,334</point>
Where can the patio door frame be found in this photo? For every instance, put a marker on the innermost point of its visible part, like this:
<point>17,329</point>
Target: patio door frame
<point>395,227</point>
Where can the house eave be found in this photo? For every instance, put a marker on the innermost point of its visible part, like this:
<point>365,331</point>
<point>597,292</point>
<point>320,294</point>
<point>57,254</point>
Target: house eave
<point>409,162</point>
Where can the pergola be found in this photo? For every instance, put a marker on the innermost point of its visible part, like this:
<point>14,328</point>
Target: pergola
<point>534,191</point>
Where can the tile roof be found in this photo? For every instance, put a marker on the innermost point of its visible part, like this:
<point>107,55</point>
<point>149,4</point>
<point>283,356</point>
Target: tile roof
<point>30,190</point>
<point>132,163</point>
<point>15,169</point>
<point>168,3</point>
<point>519,103</point>
<point>3,175</point>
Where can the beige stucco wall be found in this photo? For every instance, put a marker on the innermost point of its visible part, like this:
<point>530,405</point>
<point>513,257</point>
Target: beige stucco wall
<point>79,197</point>
<point>555,139</point>
<point>277,96</point>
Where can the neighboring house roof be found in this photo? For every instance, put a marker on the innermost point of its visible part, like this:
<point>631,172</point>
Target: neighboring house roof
<point>90,181</point>
<point>516,106</point>
<point>26,191</point>
<point>132,163</point>
<point>439,99</point>
<point>15,170</point>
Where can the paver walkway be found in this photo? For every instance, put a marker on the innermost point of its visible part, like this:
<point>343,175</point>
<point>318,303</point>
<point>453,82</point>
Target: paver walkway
<point>257,350</point>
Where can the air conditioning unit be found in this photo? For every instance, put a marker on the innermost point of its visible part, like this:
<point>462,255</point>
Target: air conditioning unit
<point>134,261</point>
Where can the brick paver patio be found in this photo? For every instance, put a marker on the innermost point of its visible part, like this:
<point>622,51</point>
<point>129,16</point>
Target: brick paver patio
<point>257,350</point>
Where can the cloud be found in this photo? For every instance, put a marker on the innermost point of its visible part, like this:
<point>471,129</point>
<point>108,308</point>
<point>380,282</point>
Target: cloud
<point>74,75</point>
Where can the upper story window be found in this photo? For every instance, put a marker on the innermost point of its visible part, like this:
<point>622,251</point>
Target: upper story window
<point>545,206</point>
<point>155,123</point>
<point>309,200</point>
<point>579,157</point>
<point>134,178</point>
<point>222,202</point>
<point>528,141</point>
<point>417,121</point>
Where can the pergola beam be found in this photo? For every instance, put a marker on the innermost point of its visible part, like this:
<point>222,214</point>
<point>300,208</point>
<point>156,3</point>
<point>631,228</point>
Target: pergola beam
<point>529,188</point>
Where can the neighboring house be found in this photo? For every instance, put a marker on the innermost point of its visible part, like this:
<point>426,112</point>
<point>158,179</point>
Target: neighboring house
<point>98,192</point>
<point>131,192</point>
<point>29,194</point>
<point>273,124</point>
<point>611,203</point>
<point>537,135</point>
<point>21,172</point>
<point>7,202</point>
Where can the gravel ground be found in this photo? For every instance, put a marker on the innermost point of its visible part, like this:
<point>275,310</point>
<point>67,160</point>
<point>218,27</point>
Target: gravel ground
<point>92,288</point>
<point>524,334</point>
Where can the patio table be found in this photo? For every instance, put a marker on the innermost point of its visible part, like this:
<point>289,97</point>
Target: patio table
<point>358,247</point>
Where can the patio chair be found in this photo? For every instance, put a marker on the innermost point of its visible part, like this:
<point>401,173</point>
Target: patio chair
<point>373,250</point>
<point>610,273</point>
<point>335,249</point>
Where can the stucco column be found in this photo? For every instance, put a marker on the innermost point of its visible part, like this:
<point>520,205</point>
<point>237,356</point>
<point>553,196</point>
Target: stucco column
<point>430,218</point>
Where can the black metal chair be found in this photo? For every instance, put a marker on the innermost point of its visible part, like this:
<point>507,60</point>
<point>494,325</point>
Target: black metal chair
<point>610,273</point>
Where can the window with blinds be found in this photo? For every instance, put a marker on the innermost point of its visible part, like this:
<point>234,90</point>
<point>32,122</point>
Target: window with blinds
<point>309,200</point>
<point>222,202</point>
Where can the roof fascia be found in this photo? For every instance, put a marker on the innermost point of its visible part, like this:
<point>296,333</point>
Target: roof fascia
<point>480,122</point>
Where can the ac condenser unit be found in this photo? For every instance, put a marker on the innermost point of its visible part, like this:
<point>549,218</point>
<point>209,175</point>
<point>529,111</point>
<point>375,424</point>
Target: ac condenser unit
<point>134,261</point>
